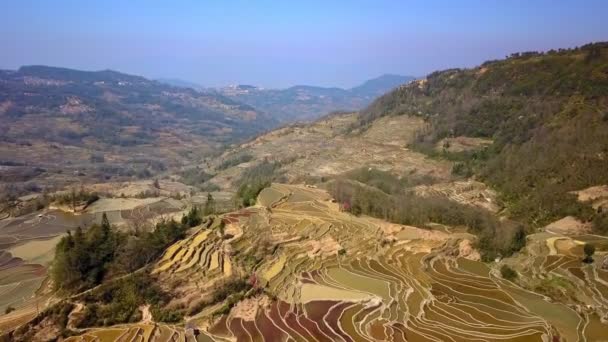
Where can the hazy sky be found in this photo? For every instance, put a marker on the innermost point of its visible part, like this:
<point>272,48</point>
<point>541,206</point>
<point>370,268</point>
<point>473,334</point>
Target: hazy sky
<point>282,43</point>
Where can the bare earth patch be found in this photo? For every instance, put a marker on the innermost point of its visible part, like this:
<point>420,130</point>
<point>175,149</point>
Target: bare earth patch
<point>247,309</point>
<point>568,226</point>
<point>325,247</point>
<point>467,192</point>
<point>461,144</point>
<point>597,195</point>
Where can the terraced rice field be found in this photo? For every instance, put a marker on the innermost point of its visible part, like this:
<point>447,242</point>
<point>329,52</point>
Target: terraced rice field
<point>141,333</point>
<point>411,289</point>
<point>336,277</point>
<point>199,257</point>
<point>123,210</point>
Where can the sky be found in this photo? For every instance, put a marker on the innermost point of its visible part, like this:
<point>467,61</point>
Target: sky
<point>283,43</point>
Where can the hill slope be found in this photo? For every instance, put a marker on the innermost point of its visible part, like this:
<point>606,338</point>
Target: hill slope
<point>73,119</point>
<point>545,114</point>
<point>308,102</point>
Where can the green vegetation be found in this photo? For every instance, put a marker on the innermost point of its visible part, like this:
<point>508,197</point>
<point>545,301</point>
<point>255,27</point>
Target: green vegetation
<point>209,206</point>
<point>402,206</point>
<point>85,259</point>
<point>193,217</point>
<point>386,181</point>
<point>545,114</point>
<point>589,250</point>
<point>230,291</point>
<point>508,273</point>
<point>118,302</point>
<point>254,180</point>
<point>559,288</point>
<point>75,198</point>
<point>194,176</point>
<point>81,259</point>
<point>235,160</point>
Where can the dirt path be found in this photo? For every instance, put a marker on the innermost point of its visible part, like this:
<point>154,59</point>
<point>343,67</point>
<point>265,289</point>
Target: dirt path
<point>146,315</point>
<point>72,316</point>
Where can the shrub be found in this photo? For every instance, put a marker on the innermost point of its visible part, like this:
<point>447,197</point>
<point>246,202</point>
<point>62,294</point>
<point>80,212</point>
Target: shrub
<point>508,273</point>
<point>235,160</point>
<point>194,176</point>
<point>589,250</point>
<point>193,217</point>
<point>118,301</point>
<point>254,180</point>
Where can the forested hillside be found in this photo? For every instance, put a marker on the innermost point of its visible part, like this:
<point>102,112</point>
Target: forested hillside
<point>545,113</point>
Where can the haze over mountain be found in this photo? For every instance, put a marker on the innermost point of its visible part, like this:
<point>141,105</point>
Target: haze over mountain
<point>304,102</point>
<point>176,82</point>
<point>277,45</point>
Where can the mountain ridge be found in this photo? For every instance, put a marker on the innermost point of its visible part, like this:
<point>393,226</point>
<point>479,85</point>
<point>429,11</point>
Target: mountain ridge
<point>308,102</point>
<point>48,111</point>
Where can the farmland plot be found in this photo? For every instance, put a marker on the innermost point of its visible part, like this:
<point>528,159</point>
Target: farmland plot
<point>329,276</point>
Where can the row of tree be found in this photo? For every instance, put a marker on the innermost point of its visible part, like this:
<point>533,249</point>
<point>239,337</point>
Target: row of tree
<point>405,207</point>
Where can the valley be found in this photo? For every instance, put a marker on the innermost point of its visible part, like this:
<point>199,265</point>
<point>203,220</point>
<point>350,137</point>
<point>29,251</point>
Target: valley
<point>59,125</point>
<point>468,205</point>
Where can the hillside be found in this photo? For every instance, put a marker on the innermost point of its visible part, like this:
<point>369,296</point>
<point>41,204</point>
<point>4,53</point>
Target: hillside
<point>307,103</point>
<point>60,122</point>
<point>543,116</point>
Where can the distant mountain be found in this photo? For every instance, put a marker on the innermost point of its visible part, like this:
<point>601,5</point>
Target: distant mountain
<point>106,123</point>
<point>303,102</point>
<point>380,85</point>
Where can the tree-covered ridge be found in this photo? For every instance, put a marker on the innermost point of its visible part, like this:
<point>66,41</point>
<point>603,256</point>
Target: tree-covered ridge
<point>546,114</point>
<point>85,259</point>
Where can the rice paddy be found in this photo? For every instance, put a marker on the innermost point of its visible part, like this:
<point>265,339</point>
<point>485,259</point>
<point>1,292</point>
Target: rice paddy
<point>332,276</point>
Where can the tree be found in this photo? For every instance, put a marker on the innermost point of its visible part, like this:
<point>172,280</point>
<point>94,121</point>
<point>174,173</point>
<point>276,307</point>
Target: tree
<point>73,198</point>
<point>589,250</point>
<point>192,218</point>
<point>156,183</point>
<point>508,273</point>
<point>209,206</point>
<point>105,223</point>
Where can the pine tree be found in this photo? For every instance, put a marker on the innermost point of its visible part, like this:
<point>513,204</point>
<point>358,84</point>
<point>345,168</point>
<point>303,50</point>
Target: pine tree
<point>209,206</point>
